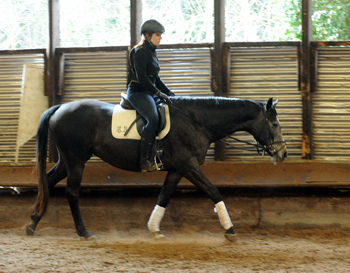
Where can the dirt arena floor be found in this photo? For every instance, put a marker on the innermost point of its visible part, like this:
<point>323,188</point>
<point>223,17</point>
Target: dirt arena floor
<point>274,234</point>
<point>59,250</point>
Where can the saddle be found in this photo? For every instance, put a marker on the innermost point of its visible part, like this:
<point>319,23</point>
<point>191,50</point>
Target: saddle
<point>140,121</point>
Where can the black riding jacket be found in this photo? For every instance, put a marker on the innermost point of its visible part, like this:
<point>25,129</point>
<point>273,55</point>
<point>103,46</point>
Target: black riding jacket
<point>143,72</point>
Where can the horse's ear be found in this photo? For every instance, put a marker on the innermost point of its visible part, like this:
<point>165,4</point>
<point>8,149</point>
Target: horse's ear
<point>269,104</point>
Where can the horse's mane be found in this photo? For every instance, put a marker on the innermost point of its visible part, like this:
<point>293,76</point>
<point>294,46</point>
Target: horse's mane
<point>210,102</point>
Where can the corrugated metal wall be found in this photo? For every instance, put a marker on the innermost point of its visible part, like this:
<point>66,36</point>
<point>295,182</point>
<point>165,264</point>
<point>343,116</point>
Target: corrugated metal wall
<point>99,76</point>
<point>186,71</point>
<point>11,72</point>
<point>261,73</point>
<point>331,104</point>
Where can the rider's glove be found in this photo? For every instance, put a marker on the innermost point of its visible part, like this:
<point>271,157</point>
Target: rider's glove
<point>164,97</point>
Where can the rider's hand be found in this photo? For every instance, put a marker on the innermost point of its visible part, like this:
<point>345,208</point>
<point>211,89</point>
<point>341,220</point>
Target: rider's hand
<point>164,97</point>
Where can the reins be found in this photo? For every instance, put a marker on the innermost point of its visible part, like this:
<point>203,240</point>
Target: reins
<point>258,146</point>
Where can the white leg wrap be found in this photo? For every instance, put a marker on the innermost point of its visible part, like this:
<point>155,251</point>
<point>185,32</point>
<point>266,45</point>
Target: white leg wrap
<point>224,218</point>
<point>156,217</point>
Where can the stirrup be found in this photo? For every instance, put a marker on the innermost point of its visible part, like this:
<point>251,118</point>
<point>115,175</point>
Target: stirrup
<point>148,166</point>
<point>159,164</point>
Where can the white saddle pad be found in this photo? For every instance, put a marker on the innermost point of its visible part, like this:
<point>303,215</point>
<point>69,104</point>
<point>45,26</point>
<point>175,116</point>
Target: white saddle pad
<point>122,119</point>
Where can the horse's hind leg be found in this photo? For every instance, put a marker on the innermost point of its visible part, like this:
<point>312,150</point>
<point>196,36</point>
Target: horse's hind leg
<point>169,186</point>
<point>75,175</point>
<point>55,175</point>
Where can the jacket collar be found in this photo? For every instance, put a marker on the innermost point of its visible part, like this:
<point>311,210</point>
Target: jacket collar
<point>150,46</point>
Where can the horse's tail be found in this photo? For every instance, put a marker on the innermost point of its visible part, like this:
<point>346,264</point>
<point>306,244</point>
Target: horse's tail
<point>42,134</point>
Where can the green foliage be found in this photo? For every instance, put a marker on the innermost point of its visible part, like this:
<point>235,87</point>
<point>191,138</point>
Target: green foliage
<point>258,20</point>
<point>330,19</point>
<point>293,18</point>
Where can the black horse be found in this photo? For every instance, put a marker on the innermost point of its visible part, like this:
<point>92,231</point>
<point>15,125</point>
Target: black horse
<point>82,128</point>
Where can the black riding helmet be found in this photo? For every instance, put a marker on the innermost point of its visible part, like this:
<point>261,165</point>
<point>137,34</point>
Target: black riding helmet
<point>152,26</point>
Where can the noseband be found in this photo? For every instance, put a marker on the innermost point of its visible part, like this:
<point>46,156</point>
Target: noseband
<point>270,148</point>
<point>261,149</point>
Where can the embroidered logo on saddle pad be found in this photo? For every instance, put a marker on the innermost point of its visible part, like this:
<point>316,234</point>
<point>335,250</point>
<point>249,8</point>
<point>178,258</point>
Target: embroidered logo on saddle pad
<point>125,127</point>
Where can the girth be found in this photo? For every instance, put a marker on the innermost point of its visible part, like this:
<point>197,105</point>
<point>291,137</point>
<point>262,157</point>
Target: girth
<point>140,121</point>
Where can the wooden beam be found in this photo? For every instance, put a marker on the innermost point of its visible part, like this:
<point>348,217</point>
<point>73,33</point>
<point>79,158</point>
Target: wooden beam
<point>54,41</point>
<point>51,63</point>
<point>61,62</point>
<point>23,51</point>
<point>262,44</point>
<point>307,143</point>
<point>331,43</point>
<point>217,65</point>
<point>135,21</point>
<point>226,68</point>
<point>65,50</point>
<point>303,173</point>
<point>186,45</point>
<point>219,39</point>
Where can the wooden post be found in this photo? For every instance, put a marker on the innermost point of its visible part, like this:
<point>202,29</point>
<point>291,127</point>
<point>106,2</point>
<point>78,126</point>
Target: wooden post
<point>51,65</point>
<point>217,66</point>
<point>307,149</point>
<point>54,41</point>
<point>219,39</point>
<point>135,21</point>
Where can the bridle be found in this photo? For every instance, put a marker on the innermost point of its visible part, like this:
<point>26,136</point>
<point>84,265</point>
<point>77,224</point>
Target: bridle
<point>270,148</point>
<point>261,149</point>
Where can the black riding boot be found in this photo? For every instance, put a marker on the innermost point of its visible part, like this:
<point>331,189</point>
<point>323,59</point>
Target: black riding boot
<point>147,162</point>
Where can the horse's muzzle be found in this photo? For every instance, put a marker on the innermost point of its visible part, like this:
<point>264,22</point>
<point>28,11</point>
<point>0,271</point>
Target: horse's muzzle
<point>281,155</point>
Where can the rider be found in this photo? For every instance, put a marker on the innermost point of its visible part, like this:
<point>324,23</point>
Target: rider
<point>144,85</point>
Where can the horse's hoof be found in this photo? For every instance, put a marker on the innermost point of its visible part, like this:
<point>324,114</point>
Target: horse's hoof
<point>230,235</point>
<point>92,238</point>
<point>29,230</point>
<point>88,238</point>
<point>158,236</point>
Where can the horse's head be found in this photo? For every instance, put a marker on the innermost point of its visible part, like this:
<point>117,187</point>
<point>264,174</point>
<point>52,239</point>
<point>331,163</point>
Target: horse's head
<point>269,134</point>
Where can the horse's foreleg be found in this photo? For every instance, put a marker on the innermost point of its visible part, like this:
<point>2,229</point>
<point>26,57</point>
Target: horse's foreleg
<point>55,175</point>
<point>72,194</point>
<point>197,177</point>
<point>158,212</point>
<point>225,220</point>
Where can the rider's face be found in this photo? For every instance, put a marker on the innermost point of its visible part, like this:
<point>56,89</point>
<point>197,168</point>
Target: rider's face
<point>156,38</point>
